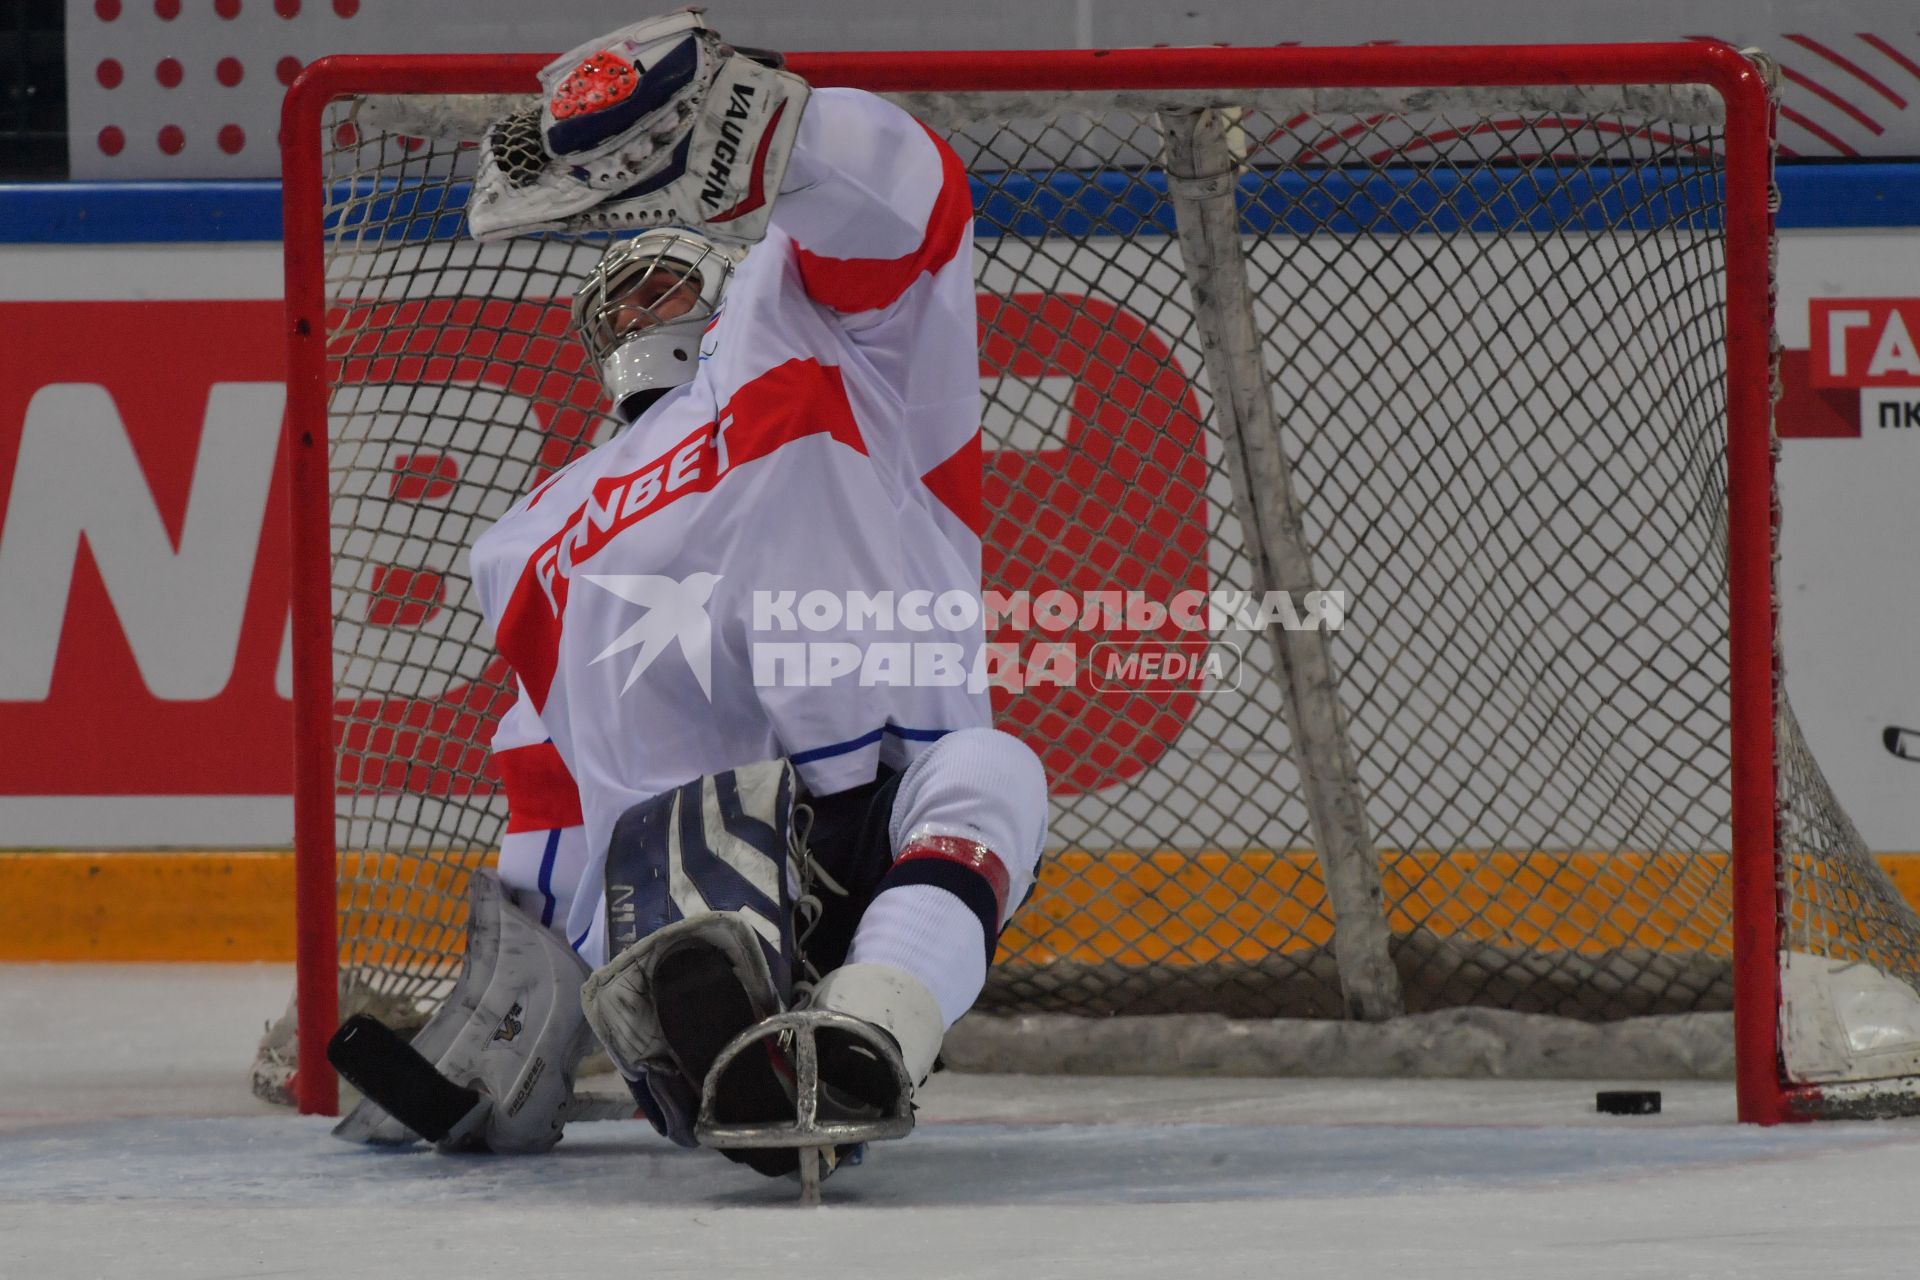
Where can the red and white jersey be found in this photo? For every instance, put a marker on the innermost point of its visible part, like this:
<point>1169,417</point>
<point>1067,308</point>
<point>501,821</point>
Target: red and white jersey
<point>828,444</point>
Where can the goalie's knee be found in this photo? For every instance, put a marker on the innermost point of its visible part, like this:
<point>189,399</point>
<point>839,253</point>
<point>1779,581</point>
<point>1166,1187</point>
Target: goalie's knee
<point>981,786</point>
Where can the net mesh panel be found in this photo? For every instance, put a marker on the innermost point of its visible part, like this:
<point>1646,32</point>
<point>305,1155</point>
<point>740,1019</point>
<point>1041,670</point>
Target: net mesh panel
<point>1494,335</point>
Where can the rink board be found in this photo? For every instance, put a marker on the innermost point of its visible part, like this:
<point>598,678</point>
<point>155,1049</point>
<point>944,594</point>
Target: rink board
<point>95,777</point>
<point>1165,908</point>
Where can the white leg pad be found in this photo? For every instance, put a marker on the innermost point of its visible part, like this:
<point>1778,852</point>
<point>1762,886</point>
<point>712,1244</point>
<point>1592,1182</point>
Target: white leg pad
<point>512,1027</point>
<point>985,789</point>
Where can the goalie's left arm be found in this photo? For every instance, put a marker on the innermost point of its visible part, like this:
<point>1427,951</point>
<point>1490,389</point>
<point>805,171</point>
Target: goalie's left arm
<point>874,201</point>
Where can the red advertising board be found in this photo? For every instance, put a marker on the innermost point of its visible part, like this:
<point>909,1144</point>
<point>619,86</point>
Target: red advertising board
<point>1864,342</point>
<point>143,566</point>
<point>143,549</point>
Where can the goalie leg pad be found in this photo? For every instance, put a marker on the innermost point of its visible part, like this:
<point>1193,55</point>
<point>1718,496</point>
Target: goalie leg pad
<point>668,1004</point>
<point>700,924</point>
<point>719,843</point>
<point>511,1030</point>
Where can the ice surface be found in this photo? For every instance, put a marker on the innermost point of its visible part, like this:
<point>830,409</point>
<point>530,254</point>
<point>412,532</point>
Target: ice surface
<point>129,1147</point>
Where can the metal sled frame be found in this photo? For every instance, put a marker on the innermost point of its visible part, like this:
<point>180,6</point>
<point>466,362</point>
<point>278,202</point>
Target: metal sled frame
<point>814,1137</point>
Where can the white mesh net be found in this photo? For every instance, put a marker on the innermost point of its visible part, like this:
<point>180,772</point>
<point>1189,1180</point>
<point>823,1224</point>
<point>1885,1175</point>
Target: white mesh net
<point>1492,330</point>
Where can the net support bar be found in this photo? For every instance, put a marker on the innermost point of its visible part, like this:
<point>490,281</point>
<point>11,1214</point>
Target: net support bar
<point>1201,182</point>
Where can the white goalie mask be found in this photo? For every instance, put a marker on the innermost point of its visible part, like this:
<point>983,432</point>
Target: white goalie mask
<point>641,311</point>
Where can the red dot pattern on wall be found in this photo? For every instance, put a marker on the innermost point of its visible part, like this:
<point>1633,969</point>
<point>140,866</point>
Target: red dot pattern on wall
<point>229,71</point>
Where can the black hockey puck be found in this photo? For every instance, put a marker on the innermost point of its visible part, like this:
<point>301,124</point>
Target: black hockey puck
<point>1627,1102</point>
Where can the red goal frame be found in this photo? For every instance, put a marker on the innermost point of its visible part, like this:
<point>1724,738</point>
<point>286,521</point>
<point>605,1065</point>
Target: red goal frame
<point>1765,1096</point>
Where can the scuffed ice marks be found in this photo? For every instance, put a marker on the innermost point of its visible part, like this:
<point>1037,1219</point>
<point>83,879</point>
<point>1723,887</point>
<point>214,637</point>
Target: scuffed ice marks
<point>292,1163</point>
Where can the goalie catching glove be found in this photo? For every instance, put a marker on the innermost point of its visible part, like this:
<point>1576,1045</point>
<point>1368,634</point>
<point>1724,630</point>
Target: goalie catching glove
<point>659,124</point>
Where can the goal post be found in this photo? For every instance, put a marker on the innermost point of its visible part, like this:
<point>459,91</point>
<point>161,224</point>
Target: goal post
<point>1479,336</point>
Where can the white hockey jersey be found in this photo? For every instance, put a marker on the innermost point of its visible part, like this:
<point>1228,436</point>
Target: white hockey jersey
<point>676,602</point>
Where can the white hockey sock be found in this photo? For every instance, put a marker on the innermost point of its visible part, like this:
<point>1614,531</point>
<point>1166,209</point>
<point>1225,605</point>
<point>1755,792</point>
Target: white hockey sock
<point>930,934</point>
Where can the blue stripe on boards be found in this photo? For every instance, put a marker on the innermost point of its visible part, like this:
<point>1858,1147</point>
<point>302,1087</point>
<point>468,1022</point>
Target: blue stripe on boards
<point>1096,202</point>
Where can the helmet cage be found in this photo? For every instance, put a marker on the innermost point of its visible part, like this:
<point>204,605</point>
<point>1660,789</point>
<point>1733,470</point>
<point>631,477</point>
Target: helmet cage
<point>631,347</point>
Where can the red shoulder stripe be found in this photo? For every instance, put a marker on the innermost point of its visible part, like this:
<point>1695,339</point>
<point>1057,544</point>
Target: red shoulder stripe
<point>867,284</point>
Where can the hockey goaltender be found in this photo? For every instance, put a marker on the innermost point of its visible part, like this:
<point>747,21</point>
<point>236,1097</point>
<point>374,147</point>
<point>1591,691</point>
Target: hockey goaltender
<point>767,900</point>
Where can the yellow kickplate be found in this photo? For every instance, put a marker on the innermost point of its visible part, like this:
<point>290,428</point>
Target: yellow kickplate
<point>1176,909</point>
<point>186,906</point>
<point>1130,908</point>
<point>146,906</point>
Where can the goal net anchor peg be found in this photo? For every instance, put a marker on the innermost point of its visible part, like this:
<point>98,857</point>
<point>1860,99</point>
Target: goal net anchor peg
<point>813,1137</point>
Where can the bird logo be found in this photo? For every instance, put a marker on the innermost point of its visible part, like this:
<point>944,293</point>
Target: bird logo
<point>676,609</point>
